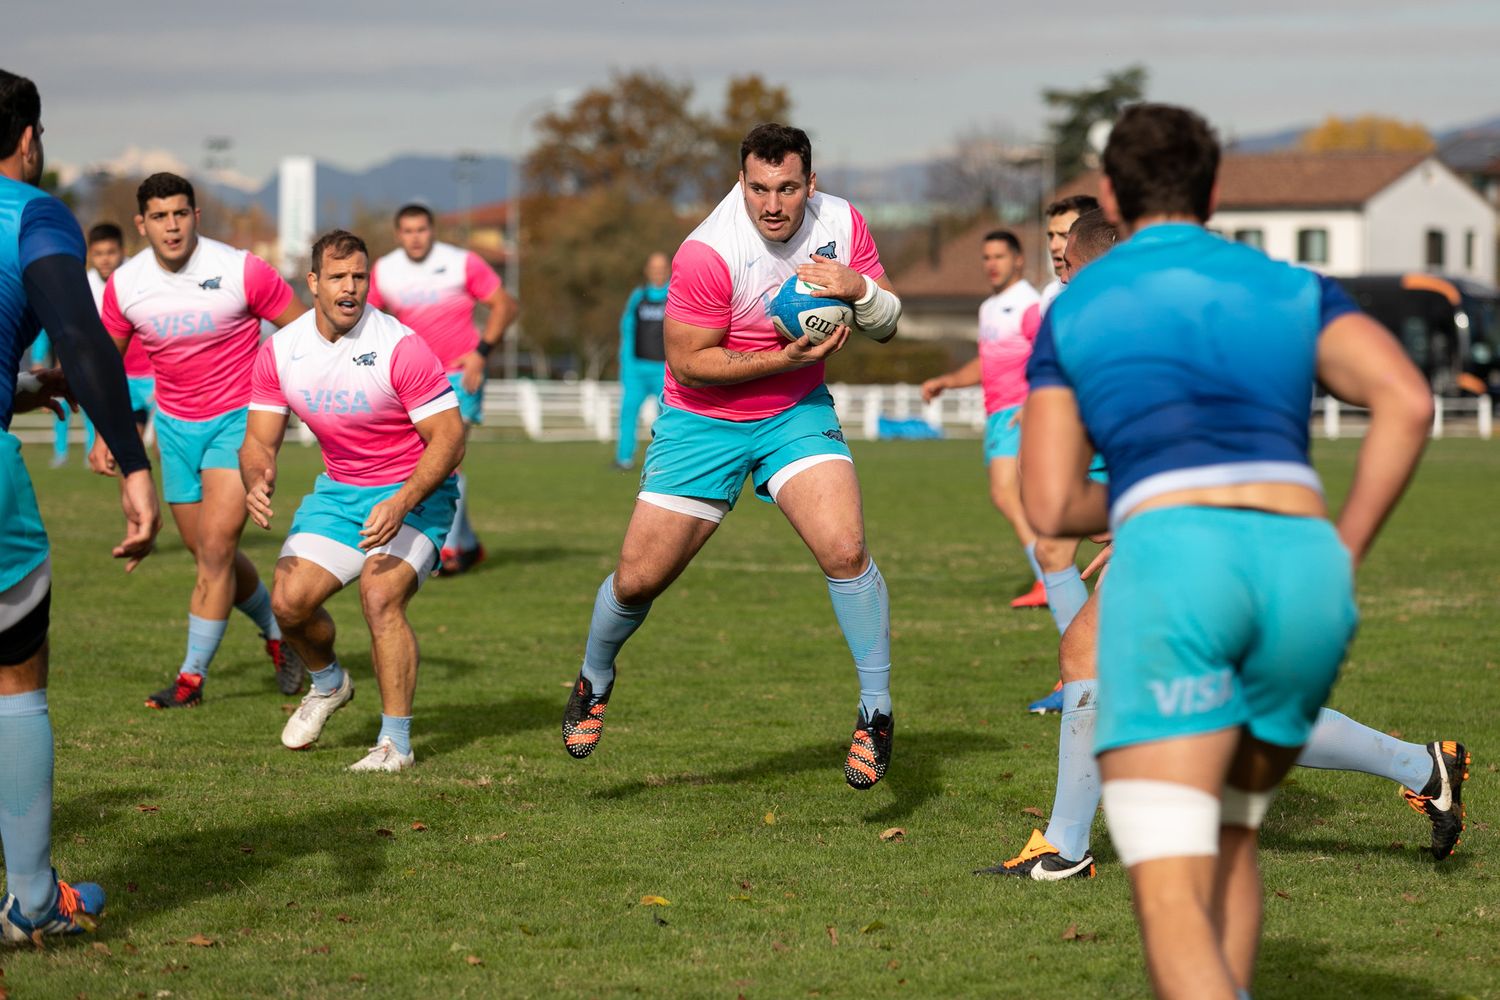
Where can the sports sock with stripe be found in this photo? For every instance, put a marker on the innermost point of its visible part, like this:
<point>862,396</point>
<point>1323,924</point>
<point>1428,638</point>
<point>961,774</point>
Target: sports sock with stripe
<point>1338,743</point>
<point>863,609</point>
<point>204,636</point>
<point>397,729</point>
<point>1066,594</point>
<point>258,608</point>
<point>1077,796</point>
<point>461,537</point>
<point>610,626</point>
<point>26,800</point>
<point>327,680</point>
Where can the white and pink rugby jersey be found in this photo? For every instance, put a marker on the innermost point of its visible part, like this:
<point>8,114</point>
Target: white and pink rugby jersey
<point>137,365</point>
<point>1050,292</point>
<point>1008,322</point>
<point>361,395</point>
<point>200,326</point>
<point>721,277</point>
<point>435,296</point>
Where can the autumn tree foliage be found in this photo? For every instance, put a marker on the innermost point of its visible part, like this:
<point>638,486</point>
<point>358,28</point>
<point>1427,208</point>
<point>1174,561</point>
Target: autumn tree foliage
<point>1367,134</point>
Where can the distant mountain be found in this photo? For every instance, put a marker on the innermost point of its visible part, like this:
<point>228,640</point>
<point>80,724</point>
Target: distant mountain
<point>1269,142</point>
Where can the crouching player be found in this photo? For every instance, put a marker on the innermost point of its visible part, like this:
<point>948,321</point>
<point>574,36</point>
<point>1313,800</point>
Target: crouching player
<point>1211,670</point>
<point>377,400</point>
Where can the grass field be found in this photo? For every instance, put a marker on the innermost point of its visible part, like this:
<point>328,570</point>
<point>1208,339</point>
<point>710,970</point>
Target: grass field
<point>501,867</point>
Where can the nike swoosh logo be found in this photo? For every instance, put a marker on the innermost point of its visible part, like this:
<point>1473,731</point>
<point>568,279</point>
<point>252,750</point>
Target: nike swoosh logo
<point>1443,802</point>
<point>297,357</point>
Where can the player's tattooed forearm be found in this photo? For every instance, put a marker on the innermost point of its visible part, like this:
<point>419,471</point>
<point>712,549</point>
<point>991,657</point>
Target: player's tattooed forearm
<point>737,355</point>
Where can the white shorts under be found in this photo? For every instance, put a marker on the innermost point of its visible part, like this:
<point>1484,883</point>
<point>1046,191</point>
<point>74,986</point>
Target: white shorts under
<point>346,563</point>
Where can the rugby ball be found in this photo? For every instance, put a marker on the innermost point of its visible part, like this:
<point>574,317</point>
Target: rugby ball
<point>795,312</point>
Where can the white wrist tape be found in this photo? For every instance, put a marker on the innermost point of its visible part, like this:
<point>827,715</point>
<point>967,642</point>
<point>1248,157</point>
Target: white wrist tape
<point>877,311</point>
<point>1160,819</point>
<point>1242,808</point>
<point>27,382</point>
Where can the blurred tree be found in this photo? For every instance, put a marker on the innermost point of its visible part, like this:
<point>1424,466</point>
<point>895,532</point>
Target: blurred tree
<point>1080,109</point>
<point>1367,134</point>
<point>987,171</point>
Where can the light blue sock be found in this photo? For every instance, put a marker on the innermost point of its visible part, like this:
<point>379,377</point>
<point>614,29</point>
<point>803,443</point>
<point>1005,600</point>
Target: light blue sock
<point>1338,743</point>
<point>1036,567</point>
<point>1077,796</point>
<point>1066,595</point>
<point>88,434</point>
<point>397,729</point>
<point>461,537</point>
<point>611,625</point>
<point>60,439</point>
<point>26,800</point>
<point>327,680</point>
<point>204,636</point>
<point>863,608</point>
<point>258,607</point>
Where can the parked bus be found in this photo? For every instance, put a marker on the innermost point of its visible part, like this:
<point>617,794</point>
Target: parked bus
<point>1449,326</point>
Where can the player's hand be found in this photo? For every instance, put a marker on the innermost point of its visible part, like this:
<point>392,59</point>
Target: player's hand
<point>933,388</point>
<point>101,459</point>
<point>1015,418</point>
<point>839,281</point>
<point>46,389</point>
<point>1099,562</point>
<point>383,523</point>
<point>142,518</point>
<point>258,499</point>
<point>803,352</point>
<point>473,371</point>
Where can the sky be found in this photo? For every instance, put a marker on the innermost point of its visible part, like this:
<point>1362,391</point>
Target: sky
<point>875,83</point>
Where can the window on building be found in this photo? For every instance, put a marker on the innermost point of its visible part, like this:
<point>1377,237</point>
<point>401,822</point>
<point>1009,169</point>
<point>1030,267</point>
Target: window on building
<point>1312,246</point>
<point>1251,237</point>
<point>1468,250</point>
<point>1435,248</point>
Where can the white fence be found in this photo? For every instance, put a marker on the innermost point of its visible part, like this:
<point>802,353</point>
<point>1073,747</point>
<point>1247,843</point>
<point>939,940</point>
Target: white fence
<point>589,411</point>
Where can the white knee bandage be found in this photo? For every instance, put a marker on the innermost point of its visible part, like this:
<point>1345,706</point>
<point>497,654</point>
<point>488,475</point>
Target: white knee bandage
<point>1160,819</point>
<point>1242,808</point>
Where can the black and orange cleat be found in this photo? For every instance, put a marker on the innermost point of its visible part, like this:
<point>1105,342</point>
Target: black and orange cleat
<point>583,718</point>
<point>455,562</point>
<point>1441,799</point>
<point>870,751</point>
<point>185,692</point>
<point>1042,862</point>
<point>288,666</point>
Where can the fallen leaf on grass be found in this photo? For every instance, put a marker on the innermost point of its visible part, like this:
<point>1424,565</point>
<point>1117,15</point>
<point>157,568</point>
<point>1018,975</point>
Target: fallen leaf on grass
<point>321,949</point>
<point>147,809</point>
<point>893,965</point>
<point>778,946</point>
<point>770,819</point>
<point>873,925</point>
<point>131,949</point>
<point>355,977</point>
<point>474,960</point>
<point>383,832</point>
<point>201,941</point>
<point>895,833</point>
<point>655,901</point>
<point>833,935</point>
<point>419,826</point>
<point>1034,811</point>
<point>1072,934</point>
<point>344,918</point>
<point>1398,845</point>
<point>525,930</point>
<point>741,898</point>
<point>1409,897</point>
<point>103,949</point>
<point>745,884</point>
<point>288,707</point>
<point>246,849</point>
<point>1283,894</point>
<point>131,887</point>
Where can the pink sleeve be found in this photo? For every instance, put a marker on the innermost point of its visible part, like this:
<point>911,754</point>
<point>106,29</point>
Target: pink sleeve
<point>265,291</point>
<point>1031,322</point>
<point>416,373</point>
<point>863,256</point>
<point>265,382</point>
<point>700,291</point>
<point>114,320</point>
<point>374,299</point>
<point>479,278</point>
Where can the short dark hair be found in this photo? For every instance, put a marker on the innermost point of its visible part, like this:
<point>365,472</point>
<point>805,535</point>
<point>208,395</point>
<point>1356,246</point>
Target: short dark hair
<point>105,232</point>
<point>1092,235</point>
<point>413,208</point>
<point>338,244</point>
<point>163,185</point>
<point>1079,203</point>
<point>774,142</point>
<point>1003,236</point>
<point>1162,160</point>
<point>20,109</point>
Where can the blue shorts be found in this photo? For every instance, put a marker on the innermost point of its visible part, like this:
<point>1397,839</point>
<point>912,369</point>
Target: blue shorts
<point>23,539</point>
<point>470,404</point>
<point>1219,617</point>
<point>326,527</point>
<point>190,446</point>
<point>696,456</point>
<point>142,393</point>
<point>1002,439</point>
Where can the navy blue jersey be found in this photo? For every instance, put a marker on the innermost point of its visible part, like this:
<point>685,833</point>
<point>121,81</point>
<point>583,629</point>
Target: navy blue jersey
<point>33,225</point>
<point>1193,361</point>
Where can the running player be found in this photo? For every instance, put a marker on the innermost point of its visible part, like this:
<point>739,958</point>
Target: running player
<point>1432,776</point>
<point>1211,670</point>
<point>42,282</point>
<point>196,305</point>
<point>739,401</point>
<point>376,397</point>
<point>643,364</point>
<point>1007,325</point>
<point>432,287</point>
<point>106,254</point>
